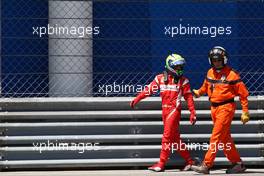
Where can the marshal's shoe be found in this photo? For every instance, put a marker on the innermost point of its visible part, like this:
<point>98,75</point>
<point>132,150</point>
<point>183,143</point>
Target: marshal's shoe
<point>236,168</point>
<point>201,169</point>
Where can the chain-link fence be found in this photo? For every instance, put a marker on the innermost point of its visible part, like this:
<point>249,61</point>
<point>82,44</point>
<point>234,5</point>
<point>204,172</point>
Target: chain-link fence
<point>113,47</point>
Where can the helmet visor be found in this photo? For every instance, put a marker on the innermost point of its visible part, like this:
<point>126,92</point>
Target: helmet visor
<point>217,60</point>
<point>177,67</point>
<point>177,62</point>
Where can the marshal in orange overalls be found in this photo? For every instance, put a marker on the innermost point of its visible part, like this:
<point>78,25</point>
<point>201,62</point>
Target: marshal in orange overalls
<point>222,86</point>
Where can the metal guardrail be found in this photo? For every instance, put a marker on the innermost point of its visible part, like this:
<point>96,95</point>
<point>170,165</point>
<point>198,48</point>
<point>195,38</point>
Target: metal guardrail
<point>113,152</point>
<point>125,127</point>
<point>104,103</point>
<point>110,115</point>
<point>125,137</point>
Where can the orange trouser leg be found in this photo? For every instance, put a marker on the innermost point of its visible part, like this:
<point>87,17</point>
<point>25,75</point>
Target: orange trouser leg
<point>222,117</point>
<point>230,150</point>
<point>171,136</point>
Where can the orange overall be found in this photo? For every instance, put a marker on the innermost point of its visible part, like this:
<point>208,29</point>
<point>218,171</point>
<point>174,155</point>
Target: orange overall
<point>222,86</point>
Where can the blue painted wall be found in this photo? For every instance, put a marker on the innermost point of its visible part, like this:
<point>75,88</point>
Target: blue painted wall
<point>194,47</point>
<point>243,44</point>
<point>119,49</point>
<point>24,61</point>
<point>131,47</point>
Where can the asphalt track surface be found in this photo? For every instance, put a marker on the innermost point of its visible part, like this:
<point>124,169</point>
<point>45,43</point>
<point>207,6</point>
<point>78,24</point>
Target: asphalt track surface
<point>171,172</point>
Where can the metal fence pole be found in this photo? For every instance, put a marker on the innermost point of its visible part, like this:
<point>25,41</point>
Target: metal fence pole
<point>70,61</point>
<point>0,47</point>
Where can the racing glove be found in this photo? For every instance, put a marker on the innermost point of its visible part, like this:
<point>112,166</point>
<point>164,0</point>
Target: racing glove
<point>193,118</point>
<point>134,102</point>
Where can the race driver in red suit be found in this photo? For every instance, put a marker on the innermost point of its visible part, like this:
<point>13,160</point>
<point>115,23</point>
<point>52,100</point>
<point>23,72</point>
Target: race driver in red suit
<point>172,86</point>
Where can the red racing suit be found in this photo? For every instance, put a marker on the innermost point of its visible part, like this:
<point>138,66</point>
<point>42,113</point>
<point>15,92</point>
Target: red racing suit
<point>171,94</point>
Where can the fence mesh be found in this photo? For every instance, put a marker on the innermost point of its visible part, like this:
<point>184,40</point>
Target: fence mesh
<point>113,48</point>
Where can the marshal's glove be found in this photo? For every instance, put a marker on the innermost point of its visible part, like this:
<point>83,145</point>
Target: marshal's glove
<point>196,93</point>
<point>244,117</point>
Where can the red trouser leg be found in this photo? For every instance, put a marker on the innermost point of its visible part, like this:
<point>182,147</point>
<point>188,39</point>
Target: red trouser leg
<point>171,136</point>
<point>182,148</point>
<point>222,117</point>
